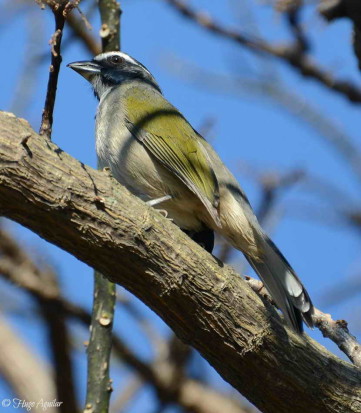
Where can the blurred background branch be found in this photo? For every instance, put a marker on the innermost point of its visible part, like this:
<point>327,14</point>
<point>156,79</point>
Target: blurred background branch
<point>292,55</point>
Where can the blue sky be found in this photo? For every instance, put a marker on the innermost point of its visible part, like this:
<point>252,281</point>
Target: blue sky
<point>248,130</point>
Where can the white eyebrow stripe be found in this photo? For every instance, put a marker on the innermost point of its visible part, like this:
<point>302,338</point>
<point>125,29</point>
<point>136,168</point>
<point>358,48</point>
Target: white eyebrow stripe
<point>125,56</point>
<point>102,56</point>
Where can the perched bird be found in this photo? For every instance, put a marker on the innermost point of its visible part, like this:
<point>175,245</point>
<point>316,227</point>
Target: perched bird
<point>152,150</point>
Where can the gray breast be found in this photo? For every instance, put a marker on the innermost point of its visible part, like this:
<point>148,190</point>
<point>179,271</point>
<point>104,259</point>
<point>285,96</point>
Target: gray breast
<point>117,149</point>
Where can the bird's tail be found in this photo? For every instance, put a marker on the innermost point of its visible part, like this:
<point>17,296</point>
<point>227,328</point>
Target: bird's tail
<point>284,286</point>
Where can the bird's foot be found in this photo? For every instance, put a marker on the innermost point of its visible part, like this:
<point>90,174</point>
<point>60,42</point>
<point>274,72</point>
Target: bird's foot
<point>165,214</point>
<point>157,201</point>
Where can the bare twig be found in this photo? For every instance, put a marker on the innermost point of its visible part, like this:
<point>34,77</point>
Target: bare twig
<point>293,17</point>
<point>60,9</point>
<point>287,54</point>
<point>337,331</point>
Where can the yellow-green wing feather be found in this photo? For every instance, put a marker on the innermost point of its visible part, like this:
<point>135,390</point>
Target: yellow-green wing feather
<point>171,139</point>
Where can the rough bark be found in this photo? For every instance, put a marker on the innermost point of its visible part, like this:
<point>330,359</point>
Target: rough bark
<point>208,305</point>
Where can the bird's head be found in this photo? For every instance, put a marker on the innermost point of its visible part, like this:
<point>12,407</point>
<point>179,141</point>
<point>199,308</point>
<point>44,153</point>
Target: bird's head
<point>110,69</point>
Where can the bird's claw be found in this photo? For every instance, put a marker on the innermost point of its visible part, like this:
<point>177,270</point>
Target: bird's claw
<point>164,213</point>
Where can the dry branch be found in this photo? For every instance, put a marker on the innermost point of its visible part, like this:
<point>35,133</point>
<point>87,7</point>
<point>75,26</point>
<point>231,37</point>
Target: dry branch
<point>337,331</point>
<point>60,9</point>
<point>207,304</point>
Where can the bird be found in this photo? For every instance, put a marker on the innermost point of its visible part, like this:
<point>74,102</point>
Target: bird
<point>151,149</point>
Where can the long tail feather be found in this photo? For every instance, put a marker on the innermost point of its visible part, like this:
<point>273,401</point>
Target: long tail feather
<point>284,286</point>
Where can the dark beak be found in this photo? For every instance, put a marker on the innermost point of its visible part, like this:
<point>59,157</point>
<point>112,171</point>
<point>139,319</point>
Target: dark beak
<point>86,68</point>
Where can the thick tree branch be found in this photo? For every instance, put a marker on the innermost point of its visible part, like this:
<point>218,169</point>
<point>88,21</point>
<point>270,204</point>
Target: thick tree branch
<point>208,305</point>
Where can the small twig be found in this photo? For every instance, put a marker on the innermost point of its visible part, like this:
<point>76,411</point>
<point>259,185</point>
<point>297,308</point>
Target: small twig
<point>337,331</point>
<point>293,18</point>
<point>288,54</point>
<point>60,9</point>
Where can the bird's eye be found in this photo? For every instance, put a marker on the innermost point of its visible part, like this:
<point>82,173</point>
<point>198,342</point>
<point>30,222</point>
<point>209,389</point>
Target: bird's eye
<point>115,60</point>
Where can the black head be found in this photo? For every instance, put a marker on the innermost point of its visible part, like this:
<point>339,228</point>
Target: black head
<point>110,69</point>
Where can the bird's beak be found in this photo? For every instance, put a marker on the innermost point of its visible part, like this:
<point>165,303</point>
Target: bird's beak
<point>86,68</point>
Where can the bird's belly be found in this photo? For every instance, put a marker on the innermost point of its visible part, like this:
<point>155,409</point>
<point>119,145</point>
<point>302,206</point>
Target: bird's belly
<point>135,168</point>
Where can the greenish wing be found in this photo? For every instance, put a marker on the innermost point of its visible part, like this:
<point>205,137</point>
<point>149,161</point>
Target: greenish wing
<point>169,137</point>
